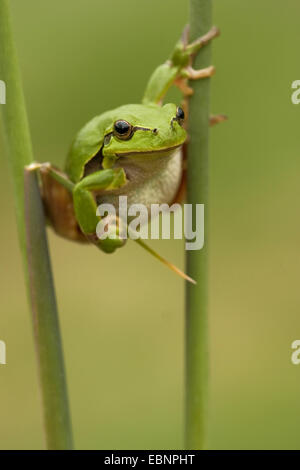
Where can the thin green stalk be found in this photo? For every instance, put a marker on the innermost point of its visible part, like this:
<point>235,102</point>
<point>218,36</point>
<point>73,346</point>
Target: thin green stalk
<point>33,241</point>
<point>197,193</point>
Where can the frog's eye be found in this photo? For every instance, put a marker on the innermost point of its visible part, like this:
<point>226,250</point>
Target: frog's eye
<point>122,129</point>
<point>178,118</point>
<point>180,115</point>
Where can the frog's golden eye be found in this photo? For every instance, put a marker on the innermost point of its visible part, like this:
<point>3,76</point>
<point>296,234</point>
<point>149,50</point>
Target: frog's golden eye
<point>123,130</point>
<point>180,115</point>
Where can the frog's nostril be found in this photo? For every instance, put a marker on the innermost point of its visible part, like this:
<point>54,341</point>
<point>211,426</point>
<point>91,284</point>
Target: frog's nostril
<point>155,131</point>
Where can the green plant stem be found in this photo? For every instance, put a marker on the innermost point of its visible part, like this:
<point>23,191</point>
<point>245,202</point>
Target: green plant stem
<point>197,193</point>
<point>33,241</point>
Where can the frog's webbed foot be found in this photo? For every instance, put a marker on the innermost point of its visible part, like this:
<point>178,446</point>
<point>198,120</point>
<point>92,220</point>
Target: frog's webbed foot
<point>193,74</point>
<point>184,55</point>
<point>189,73</point>
<point>111,233</point>
<point>182,84</point>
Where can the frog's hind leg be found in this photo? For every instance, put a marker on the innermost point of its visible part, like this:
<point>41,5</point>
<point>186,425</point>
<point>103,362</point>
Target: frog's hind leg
<point>178,69</point>
<point>58,201</point>
<point>188,72</point>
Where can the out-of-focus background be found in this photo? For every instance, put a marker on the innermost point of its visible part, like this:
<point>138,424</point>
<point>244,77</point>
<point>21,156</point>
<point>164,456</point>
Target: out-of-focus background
<point>122,315</point>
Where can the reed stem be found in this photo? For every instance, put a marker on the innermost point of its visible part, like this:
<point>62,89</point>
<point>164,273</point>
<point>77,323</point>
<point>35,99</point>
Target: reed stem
<point>34,246</point>
<point>197,357</point>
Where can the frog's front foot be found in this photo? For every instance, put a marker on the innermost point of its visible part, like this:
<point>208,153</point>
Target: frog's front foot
<point>111,233</point>
<point>191,74</point>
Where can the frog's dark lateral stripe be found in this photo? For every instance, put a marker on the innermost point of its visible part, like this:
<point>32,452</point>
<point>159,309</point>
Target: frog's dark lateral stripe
<point>140,128</point>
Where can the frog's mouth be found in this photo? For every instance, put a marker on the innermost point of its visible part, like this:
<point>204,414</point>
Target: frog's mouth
<point>148,152</point>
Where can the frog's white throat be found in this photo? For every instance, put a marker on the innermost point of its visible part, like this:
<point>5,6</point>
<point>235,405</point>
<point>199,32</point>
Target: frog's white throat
<point>153,178</point>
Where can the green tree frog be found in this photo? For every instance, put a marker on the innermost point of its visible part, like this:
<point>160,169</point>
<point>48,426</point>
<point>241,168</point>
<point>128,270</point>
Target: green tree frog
<point>134,150</point>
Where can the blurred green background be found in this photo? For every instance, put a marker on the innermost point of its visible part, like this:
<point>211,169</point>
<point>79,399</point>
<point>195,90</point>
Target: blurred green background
<point>122,315</point>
